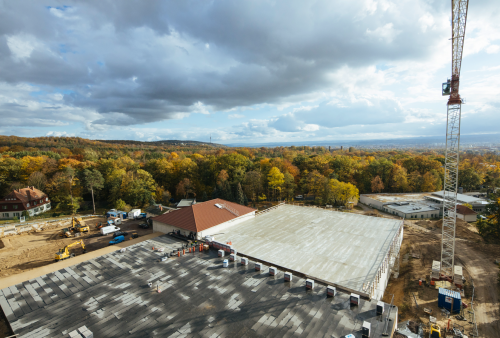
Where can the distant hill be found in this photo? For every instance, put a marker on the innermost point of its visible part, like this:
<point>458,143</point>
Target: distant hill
<point>163,142</point>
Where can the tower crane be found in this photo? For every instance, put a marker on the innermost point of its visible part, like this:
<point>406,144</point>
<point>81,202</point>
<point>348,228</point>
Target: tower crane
<point>451,88</point>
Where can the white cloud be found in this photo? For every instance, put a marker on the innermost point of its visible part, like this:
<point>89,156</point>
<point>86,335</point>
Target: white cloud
<point>493,49</point>
<point>21,46</point>
<point>235,116</point>
<point>385,33</point>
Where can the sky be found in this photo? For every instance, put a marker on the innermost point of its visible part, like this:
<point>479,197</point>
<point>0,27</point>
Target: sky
<point>243,71</point>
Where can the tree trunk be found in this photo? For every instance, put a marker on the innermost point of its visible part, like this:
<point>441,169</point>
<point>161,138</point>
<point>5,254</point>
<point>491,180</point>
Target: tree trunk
<point>93,204</point>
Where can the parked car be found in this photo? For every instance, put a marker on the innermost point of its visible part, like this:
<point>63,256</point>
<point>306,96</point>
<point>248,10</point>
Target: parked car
<point>299,197</point>
<point>117,240</point>
<point>120,233</point>
<point>109,229</point>
<point>144,225</point>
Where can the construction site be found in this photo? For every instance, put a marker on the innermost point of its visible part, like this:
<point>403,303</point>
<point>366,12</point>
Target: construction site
<point>395,266</point>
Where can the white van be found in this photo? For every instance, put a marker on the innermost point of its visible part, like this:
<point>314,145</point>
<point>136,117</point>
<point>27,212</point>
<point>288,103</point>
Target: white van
<point>109,230</point>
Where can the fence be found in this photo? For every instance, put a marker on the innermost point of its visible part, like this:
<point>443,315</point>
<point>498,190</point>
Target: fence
<point>16,229</point>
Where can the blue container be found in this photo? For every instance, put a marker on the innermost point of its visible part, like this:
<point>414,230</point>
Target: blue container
<point>450,300</point>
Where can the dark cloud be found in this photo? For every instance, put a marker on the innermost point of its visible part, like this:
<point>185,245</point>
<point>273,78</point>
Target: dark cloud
<point>153,60</point>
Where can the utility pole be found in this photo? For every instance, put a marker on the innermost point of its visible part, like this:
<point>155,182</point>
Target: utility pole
<point>451,88</point>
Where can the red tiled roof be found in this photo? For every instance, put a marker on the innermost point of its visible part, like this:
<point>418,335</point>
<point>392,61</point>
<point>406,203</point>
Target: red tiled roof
<point>202,216</point>
<point>26,194</point>
<point>463,210</point>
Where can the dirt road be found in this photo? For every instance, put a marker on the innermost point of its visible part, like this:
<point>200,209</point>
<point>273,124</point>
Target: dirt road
<point>486,303</point>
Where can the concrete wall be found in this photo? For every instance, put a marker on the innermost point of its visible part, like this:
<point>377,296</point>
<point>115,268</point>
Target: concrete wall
<point>366,199</point>
<point>416,215</point>
<point>467,218</point>
<point>166,228</point>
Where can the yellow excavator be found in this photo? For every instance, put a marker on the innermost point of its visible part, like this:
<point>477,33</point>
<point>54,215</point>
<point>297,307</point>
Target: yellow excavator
<point>64,252</point>
<point>78,226</point>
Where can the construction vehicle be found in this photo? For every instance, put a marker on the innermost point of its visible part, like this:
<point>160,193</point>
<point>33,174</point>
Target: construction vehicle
<point>64,252</point>
<point>435,331</point>
<point>66,232</point>
<point>78,226</point>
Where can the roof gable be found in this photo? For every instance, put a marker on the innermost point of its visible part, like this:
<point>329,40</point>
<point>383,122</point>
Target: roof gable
<point>26,194</point>
<point>463,210</point>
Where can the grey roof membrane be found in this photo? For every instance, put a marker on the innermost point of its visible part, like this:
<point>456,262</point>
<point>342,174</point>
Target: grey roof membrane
<point>338,247</point>
<point>110,296</point>
<point>414,207</point>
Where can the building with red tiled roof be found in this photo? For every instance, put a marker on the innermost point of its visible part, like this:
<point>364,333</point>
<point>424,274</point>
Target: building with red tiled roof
<point>29,199</point>
<point>466,214</point>
<point>203,219</point>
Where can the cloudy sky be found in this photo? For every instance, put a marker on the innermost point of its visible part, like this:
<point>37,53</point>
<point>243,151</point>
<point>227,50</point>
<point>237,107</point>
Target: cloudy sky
<point>243,71</point>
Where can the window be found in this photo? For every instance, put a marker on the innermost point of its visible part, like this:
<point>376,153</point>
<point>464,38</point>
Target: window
<point>46,198</point>
<point>4,207</point>
<point>15,206</point>
<point>16,214</point>
<point>5,214</point>
<point>27,205</point>
<point>41,201</point>
<point>34,202</point>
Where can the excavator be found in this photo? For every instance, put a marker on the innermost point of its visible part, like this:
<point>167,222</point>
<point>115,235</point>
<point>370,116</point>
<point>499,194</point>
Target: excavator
<point>78,226</point>
<point>64,252</point>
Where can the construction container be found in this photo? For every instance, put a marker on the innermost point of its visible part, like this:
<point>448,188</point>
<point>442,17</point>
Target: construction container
<point>309,284</point>
<point>331,291</point>
<point>380,308</point>
<point>220,253</point>
<point>233,251</point>
<point>244,261</point>
<point>436,270</point>
<point>449,300</point>
<point>225,263</point>
<point>354,299</point>
<point>258,266</point>
<point>232,257</point>
<point>365,329</point>
<point>288,276</point>
<point>228,248</point>
<point>273,271</point>
<point>457,275</point>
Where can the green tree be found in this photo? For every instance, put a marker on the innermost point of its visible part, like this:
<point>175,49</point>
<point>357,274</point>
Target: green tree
<point>469,178</point>
<point>120,204</point>
<point>289,186</point>
<point>93,181</point>
<point>239,196</point>
<point>252,184</point>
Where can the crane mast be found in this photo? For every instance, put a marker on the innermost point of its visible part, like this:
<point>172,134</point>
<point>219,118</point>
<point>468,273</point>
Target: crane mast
<point>451,88</point>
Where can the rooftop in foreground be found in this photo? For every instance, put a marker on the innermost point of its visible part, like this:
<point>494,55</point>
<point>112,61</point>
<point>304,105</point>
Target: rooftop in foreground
<point>346,249</point>
<point>199,298</point>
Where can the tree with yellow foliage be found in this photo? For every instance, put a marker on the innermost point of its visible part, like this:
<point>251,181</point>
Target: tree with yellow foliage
<point>276,180</point>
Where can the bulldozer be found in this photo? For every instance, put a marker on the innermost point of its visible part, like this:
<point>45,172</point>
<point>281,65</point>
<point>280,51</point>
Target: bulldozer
<point>64,252</point>
<point>78,226</point>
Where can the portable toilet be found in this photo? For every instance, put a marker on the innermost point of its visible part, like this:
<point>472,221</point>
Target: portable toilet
<point>365,329</point>
<point>258,266</point>
<point>234,251</point>
<point>221,253</point>
<point>273,271</point>
<point>331,291</point>
<point>450,300</point>
<point>309,284</point>
<point>225,263</point>
<point>244,261</point>
<point>232,257</point>
<point>288,276</point>
<point>354,299</point>
<point>380,308</point>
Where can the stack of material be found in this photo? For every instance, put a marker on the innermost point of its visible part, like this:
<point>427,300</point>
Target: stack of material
<point>458,276</point>
<point>436,268</point>
<point>81,332</point>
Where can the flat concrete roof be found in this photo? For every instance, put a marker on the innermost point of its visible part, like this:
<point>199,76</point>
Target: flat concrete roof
<point>338,247</point>
<point>389,198</point>
<point>199,298</point>
<point>411,208</point>
<point>463,198</point>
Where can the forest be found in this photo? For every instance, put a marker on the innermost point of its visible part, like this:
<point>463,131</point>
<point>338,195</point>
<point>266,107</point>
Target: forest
<point>74,171</point>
